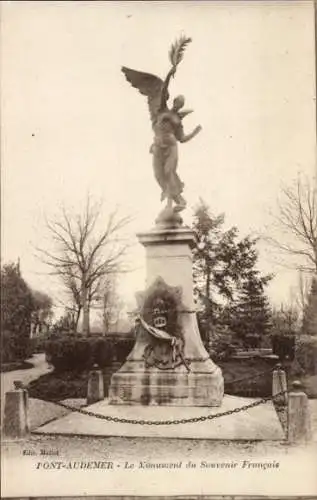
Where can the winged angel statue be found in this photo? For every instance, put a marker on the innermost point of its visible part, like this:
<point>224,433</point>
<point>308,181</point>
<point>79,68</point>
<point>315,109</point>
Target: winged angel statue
<point>167,126</point>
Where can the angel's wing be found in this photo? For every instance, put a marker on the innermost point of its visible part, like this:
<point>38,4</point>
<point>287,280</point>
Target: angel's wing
<point>149,85</point>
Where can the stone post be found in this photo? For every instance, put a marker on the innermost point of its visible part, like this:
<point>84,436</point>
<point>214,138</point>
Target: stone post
<point>95,391</point>
<point>279,384</point>
<point>299,427</point>
<point>16,414</point>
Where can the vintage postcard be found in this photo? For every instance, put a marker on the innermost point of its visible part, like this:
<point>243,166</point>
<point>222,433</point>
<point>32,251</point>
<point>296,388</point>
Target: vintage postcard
<point>159,259</point>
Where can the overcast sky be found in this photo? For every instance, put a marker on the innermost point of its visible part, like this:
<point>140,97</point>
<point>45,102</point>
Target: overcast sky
<point>71,124</point>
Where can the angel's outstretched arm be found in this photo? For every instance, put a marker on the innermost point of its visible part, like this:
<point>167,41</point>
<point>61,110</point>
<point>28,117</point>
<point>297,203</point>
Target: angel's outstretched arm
<point>182,137</point>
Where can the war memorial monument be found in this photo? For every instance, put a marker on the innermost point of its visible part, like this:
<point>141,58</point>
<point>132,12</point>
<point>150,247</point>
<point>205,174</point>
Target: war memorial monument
<point>169,364</point>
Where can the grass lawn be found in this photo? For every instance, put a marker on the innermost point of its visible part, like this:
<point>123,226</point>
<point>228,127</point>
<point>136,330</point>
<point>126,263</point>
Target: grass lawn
<point>248,377</point>
<point>56,386</point>
<point>253,376</point>
<point>15,365</point>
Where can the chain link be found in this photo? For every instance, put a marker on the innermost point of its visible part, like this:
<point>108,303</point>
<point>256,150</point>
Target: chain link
<point>191,420</point>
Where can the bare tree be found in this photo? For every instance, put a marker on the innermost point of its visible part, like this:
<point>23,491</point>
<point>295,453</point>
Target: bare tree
<point>309,325</point>
<point>83,255</point>
<point>304,284</point>
<point>73,288</point>
<point>297,225</point>
<point>285,320</point>
<point>112,303</point>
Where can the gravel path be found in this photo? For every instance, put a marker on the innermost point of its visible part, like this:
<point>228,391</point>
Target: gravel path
<point>40,367</point>
<point>134,448</point>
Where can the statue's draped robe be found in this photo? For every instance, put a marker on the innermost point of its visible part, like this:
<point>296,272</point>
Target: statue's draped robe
<point>167,128</point>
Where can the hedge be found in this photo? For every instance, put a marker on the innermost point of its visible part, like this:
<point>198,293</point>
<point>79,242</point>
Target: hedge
<point>74,353</point>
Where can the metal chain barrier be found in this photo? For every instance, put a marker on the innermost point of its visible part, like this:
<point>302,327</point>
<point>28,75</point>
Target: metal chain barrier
<point>202,418</point>
<point>257,375</point>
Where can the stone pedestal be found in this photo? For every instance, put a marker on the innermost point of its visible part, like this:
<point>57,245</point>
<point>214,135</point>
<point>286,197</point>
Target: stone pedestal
<point>195,382</point>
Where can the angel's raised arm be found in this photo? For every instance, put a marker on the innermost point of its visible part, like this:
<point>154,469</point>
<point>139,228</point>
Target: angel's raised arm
<point>176,53</point>
<point>164,92</point>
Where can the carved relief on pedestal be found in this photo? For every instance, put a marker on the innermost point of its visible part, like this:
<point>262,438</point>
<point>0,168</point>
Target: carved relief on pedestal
<point>160,307</point>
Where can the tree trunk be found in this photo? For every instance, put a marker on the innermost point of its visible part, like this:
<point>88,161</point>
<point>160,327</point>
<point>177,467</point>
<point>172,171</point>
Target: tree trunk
<point>85,306</point>
<point>76,318</point>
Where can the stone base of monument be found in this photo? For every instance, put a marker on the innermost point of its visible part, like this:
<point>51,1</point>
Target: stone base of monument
<point>176,388</point>
<point>153,373</point>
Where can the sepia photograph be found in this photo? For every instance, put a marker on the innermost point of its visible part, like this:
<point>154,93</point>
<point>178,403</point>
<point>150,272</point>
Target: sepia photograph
<point>158,250</point>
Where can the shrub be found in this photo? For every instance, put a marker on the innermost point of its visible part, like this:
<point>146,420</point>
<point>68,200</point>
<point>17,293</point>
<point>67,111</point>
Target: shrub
<point>69,354</point>
<point>16,310</point>
<point>122,348</point>
<point>284,346</point>
<point>103,352</point>
<point>74,353</point>
<point>14,347</point>
<point>7,347</point>
<point>306,353</point>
